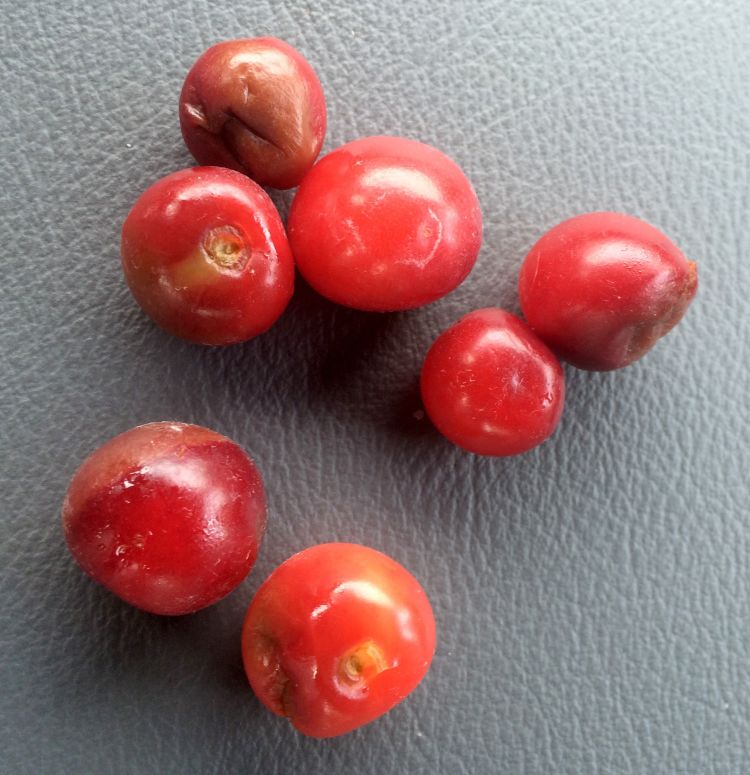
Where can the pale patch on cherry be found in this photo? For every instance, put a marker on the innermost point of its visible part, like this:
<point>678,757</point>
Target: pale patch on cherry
<point>222,251</point>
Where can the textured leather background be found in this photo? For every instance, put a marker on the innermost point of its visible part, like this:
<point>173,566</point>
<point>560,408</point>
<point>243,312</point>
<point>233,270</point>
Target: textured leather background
<point>593,596</point>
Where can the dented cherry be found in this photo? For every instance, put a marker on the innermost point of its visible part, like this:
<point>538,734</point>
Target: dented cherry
<point>336,636</point>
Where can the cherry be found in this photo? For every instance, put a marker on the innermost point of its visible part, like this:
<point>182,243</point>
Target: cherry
<point>384,224</point>
<point>602,288</point>
<point>491,386</point>
<point>206,256</point>
<point>168,516</point>
<point>254,105</point>
<point>336,636</point>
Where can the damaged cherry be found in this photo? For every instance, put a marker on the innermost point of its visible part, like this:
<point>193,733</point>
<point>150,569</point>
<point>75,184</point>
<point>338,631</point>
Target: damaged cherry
<point>602,288</point>
<point>336,636</point>
<point>254,105</point>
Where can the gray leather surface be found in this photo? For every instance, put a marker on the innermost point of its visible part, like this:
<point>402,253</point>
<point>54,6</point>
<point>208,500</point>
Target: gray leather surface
<point>593,596</point>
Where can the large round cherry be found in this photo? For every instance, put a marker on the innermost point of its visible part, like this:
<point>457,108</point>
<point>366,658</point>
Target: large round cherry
<point>336,636</point>
<point>168,516</point>
<point>254,105</point>
<point>602,288</point>
<point>206,256</point>
<point>384,224</point>
<point>491,386</point>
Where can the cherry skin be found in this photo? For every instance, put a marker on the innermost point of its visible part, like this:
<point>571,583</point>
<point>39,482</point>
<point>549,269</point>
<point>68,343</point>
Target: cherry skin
<point>168,516</point>
<point>602,288</point>
<point>491,386</point>
<point>256,106</point>
<point>385,224</point>
<point>336,636</point>
<point>205,254</point>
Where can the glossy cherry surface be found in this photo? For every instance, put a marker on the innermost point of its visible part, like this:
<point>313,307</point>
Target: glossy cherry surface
<point>491,386</point>
<point>168,516</point>
<point>205,254</point>
<point>336,636</point>
<point>254,105</point>
<point>384,224</point>
<point>602,288</point>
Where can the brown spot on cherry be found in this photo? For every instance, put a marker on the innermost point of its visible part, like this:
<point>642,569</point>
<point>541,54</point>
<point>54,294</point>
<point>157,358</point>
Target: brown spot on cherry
<point>645,335</point>
<point>278,685</point>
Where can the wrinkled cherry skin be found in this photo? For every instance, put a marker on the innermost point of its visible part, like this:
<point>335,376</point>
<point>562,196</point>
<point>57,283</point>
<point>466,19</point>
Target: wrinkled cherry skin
<point>254,105</point>
<point>336,636</point>
<point>600,289</point>
<point>205,254</point>
<point>385,224</point>
<point>491,386</point>
<point>168,516</point>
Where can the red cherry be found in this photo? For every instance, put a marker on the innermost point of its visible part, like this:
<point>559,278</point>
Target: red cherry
<point>602,288</point>
<point>336,636</point>
<point>206,256</point>
<point>168,516</point>
<point>491,386</point>
<point>385,223</point>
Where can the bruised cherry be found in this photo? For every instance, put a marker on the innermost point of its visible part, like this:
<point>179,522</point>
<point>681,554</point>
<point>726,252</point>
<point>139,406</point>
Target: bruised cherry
<point>254,105</point>
<point>602,288</point>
